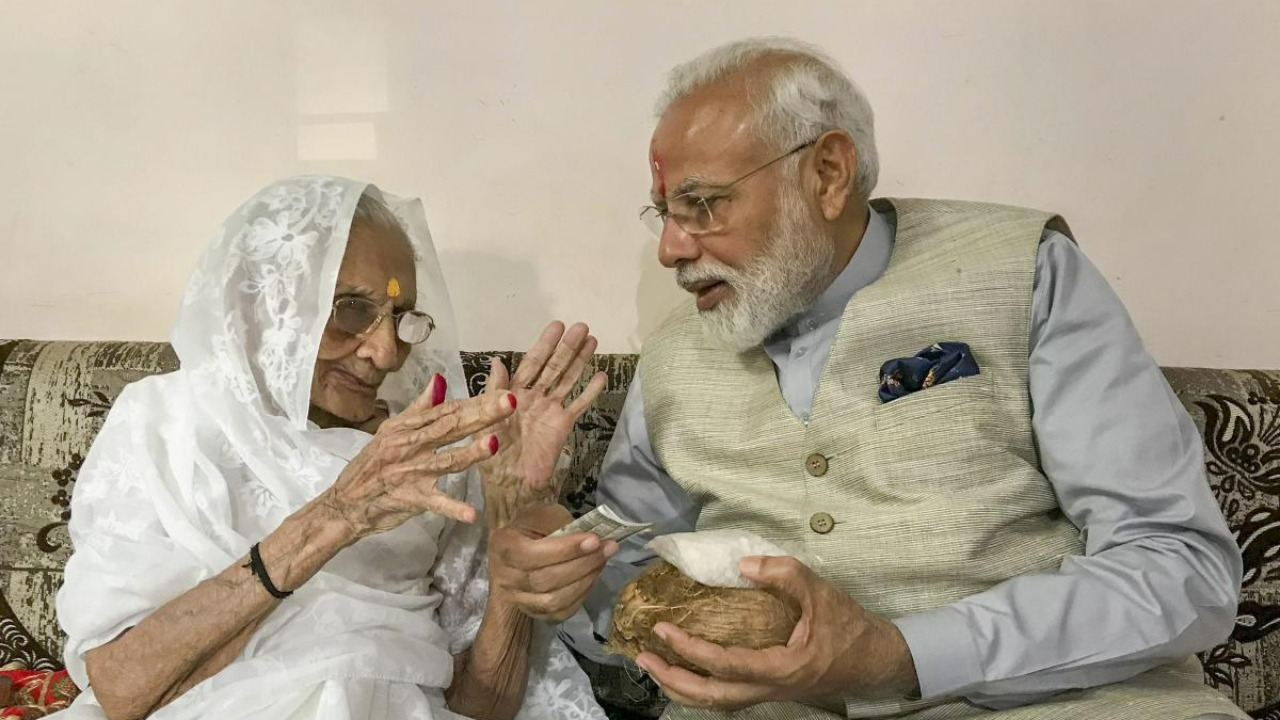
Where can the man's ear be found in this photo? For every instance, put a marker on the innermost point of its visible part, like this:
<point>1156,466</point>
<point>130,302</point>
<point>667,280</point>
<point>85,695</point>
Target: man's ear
<point>835,163</point>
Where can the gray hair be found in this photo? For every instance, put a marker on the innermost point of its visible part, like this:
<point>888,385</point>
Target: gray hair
<point>806,95</point>
<point>372,212</point>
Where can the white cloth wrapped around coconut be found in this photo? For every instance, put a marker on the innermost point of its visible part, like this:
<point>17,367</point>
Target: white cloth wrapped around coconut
<point>711,556</point>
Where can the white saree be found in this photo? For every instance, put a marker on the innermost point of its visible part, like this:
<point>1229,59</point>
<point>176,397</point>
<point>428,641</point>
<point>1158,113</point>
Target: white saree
<point>193,467</point>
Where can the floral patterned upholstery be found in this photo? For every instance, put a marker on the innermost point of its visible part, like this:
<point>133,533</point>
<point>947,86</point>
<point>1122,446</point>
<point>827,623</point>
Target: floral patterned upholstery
<point>53,396</point>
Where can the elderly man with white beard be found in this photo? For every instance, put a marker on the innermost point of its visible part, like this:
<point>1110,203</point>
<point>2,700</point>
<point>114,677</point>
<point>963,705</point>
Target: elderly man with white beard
<point>1012,522</point>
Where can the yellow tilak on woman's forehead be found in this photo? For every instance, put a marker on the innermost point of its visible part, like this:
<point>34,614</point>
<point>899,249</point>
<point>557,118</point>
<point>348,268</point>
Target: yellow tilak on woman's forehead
<point>393,288</point>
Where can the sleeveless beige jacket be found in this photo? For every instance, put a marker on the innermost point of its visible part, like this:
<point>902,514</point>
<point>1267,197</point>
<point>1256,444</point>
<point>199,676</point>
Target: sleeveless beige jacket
<point>908,505</point>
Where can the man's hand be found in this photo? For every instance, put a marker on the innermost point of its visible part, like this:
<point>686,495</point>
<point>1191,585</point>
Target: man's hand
<point>837,649</point>
<point>546,578</point>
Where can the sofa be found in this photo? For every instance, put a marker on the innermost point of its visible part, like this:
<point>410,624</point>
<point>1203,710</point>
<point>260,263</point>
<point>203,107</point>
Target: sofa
<point>54,396</point>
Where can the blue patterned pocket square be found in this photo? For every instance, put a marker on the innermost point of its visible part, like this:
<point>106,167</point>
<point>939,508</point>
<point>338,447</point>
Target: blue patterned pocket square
<point>934,365</point>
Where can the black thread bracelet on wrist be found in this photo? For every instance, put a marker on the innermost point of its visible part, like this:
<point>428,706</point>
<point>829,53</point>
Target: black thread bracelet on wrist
<point>260,570</point>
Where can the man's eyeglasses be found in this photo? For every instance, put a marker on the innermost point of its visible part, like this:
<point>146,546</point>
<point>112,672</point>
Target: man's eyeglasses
<point>692,210</point>
<point>361,316</point>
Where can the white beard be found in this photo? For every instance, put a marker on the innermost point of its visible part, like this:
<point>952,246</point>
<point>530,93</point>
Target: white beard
<point>778,284</point>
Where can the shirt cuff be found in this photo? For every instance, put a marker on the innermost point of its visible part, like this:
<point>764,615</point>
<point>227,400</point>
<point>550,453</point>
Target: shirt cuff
<point>942,649</point>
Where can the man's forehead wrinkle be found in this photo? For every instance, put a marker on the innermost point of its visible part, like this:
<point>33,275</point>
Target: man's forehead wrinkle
<point>702,139</point>
<point>709,140</point>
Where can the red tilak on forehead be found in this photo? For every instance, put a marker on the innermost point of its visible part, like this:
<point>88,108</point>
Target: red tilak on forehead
<point>657,172</point>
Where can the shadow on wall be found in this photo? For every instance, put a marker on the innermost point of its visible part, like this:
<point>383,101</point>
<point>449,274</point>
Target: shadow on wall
<point>656,295</point>
<point>476,280</point>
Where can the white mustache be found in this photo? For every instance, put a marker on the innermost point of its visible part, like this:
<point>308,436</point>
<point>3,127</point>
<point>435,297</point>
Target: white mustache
<point>689,275</point>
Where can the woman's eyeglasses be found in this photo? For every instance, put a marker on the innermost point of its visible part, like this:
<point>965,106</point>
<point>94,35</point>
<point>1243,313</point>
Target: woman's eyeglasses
<point>361,316</point>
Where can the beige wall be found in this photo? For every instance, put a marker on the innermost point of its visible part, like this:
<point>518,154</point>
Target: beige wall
<point>130,128</point>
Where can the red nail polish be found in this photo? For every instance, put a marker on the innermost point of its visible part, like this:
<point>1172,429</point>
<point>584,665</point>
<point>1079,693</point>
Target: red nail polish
<point>438,390</point>
<point>511,398</point>
<point>493,444</point>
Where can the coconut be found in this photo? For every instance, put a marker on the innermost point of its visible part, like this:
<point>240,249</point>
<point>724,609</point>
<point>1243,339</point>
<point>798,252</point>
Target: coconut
<point>751,618</point>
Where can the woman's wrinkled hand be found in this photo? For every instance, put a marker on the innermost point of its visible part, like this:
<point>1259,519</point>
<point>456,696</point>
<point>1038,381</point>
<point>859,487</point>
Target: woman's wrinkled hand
<point>522,473</point>
<point>394,477</point>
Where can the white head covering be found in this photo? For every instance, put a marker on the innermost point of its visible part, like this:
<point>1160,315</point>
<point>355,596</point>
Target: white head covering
<point>193,467</point>
<point>255,309</point>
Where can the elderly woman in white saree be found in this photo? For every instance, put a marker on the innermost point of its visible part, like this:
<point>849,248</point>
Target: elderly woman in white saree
<point>290,527</point>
